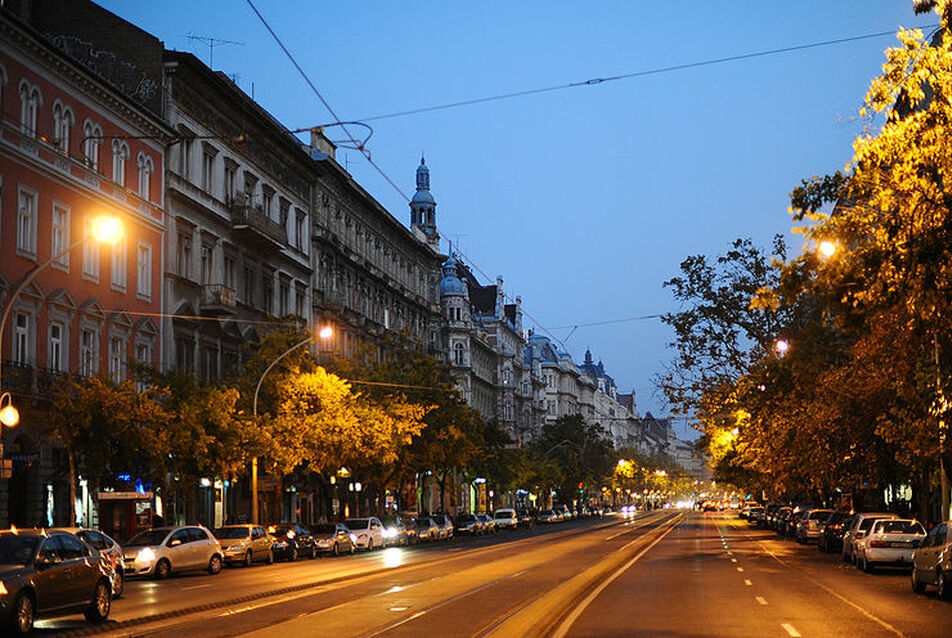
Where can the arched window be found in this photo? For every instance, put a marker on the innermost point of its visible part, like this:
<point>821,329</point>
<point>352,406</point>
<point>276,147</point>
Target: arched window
<point>63,121</point>
<point>120,155</point>
<point>146,168</point>
<point>30,102</point>
<point>92,139</point>
<point>458,354</point>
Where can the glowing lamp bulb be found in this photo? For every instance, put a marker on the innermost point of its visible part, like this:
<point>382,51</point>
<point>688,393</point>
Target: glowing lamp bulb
<point>9,416</point>
<point>782,346</point>
<point>326,332</point>
<point>107,230</point>
<point>827,248</point>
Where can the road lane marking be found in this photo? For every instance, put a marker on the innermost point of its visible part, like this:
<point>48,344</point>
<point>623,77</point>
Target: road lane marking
<point>399,608</point>
<point>790,630</point>
<point>569,620</point>
<point>740,569</point>
<point>760,599</point>
<point>748,583</point>
<point>196,587</point>
<point>733,560</point>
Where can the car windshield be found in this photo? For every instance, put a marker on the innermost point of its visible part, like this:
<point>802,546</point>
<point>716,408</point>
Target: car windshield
<point>899,527</point>
<point>232,532</point>
<point>466,518</point>
<point>818,515</point>
<point>149,537</point>
<point>324,529</point>
<point>505,514</point>
<point>357,523</point>
<point>390,521</point>
<point>16,549</point>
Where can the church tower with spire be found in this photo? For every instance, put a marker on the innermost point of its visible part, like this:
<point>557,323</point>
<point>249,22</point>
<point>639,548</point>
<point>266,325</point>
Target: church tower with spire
<point>423,209</point>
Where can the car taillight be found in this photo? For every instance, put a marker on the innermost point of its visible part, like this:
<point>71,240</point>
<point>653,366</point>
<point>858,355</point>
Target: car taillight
<point>877,543</point>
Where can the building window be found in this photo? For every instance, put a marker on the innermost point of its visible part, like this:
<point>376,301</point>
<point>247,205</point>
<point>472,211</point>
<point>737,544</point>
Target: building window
<point>300,298</point>
<point>249,283</point>
<point>144,271</point>
<point>59,236</point>
<point>119,261</point>
<point>21,338</point>
<point>146,168</point>
<point>54,356</point>
<point>88,349</point>
<point>120,155</point>
<point>117,366</point>
<point>284,298</point>
<point>144,359</point>
<point>185,155</point>
<point>62,126</point>
<point>267,292</point>
<point>90,254</point>
<point>458,354</point>
<point>205,264</point>
<point>300,232</point>
<point>551,407</point>
<point>267,199</point>
<point>208,168</point>
<point>184,255</point>
<point>230,272</point>
<point>229,185</point>
<point>30,101</point>
<point>26,223</point>
<point>92,138</point>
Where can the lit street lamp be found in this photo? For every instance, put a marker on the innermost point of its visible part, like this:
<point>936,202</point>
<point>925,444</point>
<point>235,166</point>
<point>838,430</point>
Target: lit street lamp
<point>105,229</point>
<point>325,333</point>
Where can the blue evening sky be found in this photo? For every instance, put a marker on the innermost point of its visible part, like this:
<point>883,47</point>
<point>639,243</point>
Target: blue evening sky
<point>585,200</point>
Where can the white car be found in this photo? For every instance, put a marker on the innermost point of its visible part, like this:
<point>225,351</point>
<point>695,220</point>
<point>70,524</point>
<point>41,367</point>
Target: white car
<point>890,542</point>
<point>858,530</point>
<point>158,552</point>
<point>369,532</point>
<point>506,519</point>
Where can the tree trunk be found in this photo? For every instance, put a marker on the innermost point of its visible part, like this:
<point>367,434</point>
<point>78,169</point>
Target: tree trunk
<point>71,457</point>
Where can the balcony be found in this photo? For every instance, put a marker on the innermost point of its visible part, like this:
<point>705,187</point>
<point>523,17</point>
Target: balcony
<point>252,225</point>
<point>218,300</point>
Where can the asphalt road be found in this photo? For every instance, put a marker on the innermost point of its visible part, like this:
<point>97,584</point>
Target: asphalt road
<point>654,574</point>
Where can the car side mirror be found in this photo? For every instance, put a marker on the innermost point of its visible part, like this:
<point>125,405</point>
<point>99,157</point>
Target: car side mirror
<point>175,542</point>
<point>860,534</point>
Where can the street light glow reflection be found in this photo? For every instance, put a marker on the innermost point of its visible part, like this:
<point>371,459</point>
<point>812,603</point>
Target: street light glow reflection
<point>392,557</point>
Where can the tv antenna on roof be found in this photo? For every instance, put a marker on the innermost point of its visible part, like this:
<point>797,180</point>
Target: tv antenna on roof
<point>212,43</point>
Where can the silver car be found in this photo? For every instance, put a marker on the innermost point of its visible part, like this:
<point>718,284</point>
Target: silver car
<point>109,550</point>
<point>245,544</point>
<point>158,552</point>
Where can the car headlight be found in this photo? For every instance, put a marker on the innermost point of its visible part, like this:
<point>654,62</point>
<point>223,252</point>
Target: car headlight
<point>290,533</point>
<point>3,589</point>
<point>145,555</point>
<point>353,538</point>
<point>389,532</point>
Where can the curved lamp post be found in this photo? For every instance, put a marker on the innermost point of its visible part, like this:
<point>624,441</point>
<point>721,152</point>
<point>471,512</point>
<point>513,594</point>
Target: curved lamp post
<point>325,334</point>
<point>105,229</point>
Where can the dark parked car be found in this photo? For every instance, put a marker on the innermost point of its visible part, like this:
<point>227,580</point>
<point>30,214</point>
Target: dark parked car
<point>755,516</point>
<point>333,538</point>
<point>831,537</point>
<point>780,519</point>
<point>292,541</point>
<point>426,529</point>
<point>469,524</point>
<point>446,525</point>
<point>36,564</point>
<point>525,519</point>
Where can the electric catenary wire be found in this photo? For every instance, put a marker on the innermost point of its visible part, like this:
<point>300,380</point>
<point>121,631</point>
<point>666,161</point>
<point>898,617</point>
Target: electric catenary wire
<point>634,74</point>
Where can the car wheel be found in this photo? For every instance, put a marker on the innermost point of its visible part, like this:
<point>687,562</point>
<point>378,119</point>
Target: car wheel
<point>270,558</point>
<point>98,610</point>
<point>335,551</point>
<point>353,549</point>
<point>293,556</point>
<point>249,558</point>
<point>942,585</point>
<point>313,552</point>
<point>918,586</point>
<point>119,587</point>
<point>214,564</point>
<point>370,545</point>
<point>162,569</point>
<point>866,566</point>
<point>21,621</point>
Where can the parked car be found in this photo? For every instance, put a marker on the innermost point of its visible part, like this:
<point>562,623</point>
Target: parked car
<point>525,519</point>
<point>292,541</point>
<point>110,551</point>
<point>489,525</point>
<point>548,516</point>
<point>369,532</point>
<point>334,538</point>
<point>810,524</point>
<point>469,524</point>
<point>858,530</point>
<point>245,544</point>
<point>932,562</point>
<point>426,529</point>
<point>565,511</point>
<point>505,519</point>
<point>780,519</point>
<point>890,542</point>
<point>755,515</point>
<point>446,525</point>
<point>831,537</point>
<point>36,564</point>
<point>161,551</point>
<point>395,530</point>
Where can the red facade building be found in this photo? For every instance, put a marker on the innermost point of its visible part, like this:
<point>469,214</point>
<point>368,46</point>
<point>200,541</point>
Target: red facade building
<point>80,137</point>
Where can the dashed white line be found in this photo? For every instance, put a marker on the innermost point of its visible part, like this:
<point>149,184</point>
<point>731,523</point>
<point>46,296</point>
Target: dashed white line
<point>733,560</point>
<point>761,600</point>
<point>748,583</point>
<point>791,630</point>
<point>740,569</point>
<point>195,587</point>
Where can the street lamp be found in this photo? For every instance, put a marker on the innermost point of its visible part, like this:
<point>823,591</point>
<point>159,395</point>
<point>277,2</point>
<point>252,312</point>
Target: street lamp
<point>106,229</point>
<point>325,333</point>
<point>827,249</point>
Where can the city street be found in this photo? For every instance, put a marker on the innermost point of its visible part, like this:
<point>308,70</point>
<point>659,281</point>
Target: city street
<point>656,573</point>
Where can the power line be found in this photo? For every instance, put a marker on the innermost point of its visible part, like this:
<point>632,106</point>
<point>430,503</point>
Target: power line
<point>634,74</point>
<point>606,322</point>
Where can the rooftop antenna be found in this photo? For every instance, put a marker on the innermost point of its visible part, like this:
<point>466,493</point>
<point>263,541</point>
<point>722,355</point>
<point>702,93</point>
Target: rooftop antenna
<point>212,43</point>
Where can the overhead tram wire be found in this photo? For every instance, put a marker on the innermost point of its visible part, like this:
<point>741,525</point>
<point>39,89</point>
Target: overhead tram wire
<point>634,74</point>
<point>366,154</point>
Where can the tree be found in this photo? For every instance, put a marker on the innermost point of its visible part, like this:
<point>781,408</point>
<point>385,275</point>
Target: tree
<point>581,452</point>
